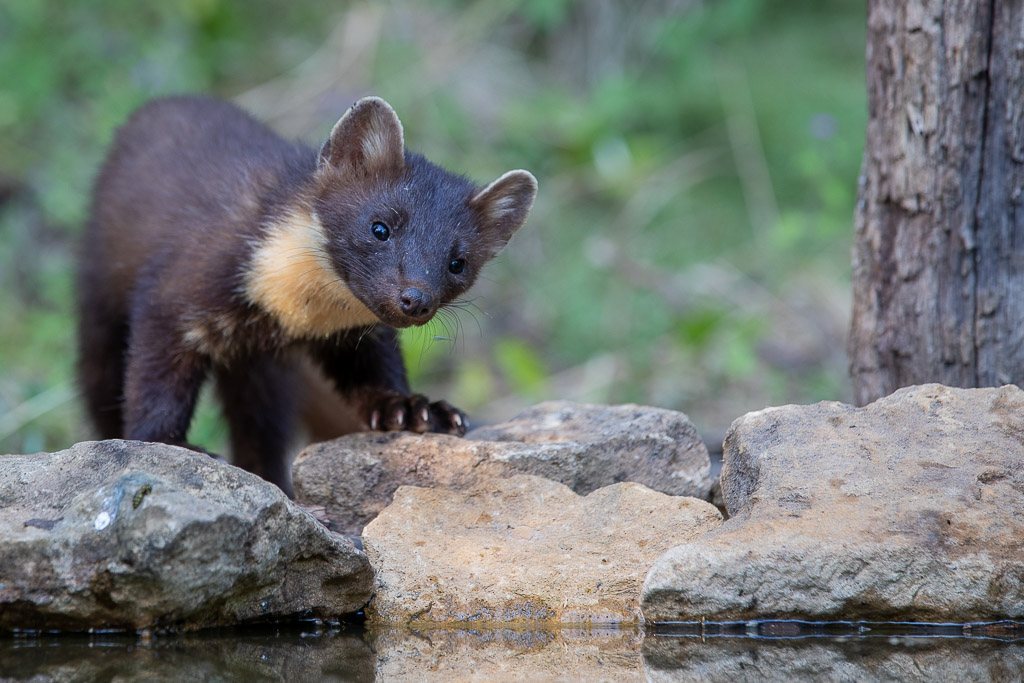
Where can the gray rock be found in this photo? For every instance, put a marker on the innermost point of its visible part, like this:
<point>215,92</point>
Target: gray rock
<point>523,549</point>
<point>121,534</point>
<point>589,446</point>
<point>582,446</point>
<point>908,509</point>
<point>353,478</point>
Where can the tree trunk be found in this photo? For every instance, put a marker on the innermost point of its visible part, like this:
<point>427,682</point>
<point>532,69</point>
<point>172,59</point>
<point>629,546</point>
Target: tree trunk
<point>937,266</point>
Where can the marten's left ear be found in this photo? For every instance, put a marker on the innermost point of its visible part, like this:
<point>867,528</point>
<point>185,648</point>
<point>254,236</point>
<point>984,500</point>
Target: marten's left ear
<point>503,206</point>
<point>368,138</point>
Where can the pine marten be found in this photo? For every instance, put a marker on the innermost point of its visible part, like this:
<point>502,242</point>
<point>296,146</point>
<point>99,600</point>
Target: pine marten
<point>215,246</point>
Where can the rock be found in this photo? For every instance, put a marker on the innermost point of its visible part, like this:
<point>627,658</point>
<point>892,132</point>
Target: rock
<point>717,499</point>
<point>584,447</point>
<point>908,509</point>
<point>502,654</point>
<point>353,478</point>
<point>589,446</point>
<point>523,549</point>
<point>121,534</point>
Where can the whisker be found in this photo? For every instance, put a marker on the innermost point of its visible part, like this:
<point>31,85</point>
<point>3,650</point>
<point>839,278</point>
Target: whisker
<point>460,331</point>
<point>450,326</point>
<point>369,328</point>
<point>464,306</point>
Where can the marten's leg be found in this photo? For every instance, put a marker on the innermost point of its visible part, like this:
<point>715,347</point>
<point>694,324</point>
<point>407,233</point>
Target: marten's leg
<point>259,398</point>
<point>102,343</point>
<point>162,380</point>
<point>367,368</point>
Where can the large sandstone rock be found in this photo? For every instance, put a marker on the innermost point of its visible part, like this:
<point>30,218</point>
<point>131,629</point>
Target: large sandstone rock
<point>523,549</point>
<point>121,534</point>
<point>909,509</point>
<point>584,447</point>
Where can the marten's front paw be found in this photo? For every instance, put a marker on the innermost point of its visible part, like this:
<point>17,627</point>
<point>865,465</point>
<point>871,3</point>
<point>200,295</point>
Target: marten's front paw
<point>415,413</point>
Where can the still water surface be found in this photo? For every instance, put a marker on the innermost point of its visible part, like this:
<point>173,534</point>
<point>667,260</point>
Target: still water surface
<point>734,652</point>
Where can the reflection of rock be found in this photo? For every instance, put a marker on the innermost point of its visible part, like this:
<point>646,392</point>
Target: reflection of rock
<point>848,659</point>
<point>131,535</point>
<point>584,447</point>
<point>307,653</point>
<point>523,549</point>
<point>259,654</point>
<point>908,509</point>
<point>583,654</point>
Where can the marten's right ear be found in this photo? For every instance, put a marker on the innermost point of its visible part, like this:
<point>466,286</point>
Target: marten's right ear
<point>503,207</point>
<point>367,139</point>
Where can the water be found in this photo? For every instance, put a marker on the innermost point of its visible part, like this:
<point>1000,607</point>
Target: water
<point>715,652</point>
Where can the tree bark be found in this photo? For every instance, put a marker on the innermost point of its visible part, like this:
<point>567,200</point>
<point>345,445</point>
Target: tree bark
<point>937,265</point>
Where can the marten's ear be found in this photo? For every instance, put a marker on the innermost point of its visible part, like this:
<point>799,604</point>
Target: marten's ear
<point>503,206</point>
<point>368,138</point>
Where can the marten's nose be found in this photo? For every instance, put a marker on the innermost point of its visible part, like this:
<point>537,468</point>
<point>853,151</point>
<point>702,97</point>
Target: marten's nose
<point>416,303</point>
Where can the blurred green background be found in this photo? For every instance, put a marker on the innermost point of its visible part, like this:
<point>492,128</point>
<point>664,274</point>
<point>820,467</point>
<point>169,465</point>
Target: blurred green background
<point>697,163</point>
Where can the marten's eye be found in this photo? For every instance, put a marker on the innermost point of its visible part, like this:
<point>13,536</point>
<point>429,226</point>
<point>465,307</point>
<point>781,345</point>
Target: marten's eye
<point>457,265</point>
<point>380,231</point>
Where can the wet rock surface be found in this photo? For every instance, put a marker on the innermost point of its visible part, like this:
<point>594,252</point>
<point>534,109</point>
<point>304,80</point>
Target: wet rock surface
<point>582,446</point>
<point>120,534</point>
<point>908,510</point>
<point>523,550</point>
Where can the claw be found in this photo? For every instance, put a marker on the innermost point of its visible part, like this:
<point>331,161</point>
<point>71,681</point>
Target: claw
<point>425,415</point>
<point>375,420</point>
<point>457,420</point>
<point>400,418</point>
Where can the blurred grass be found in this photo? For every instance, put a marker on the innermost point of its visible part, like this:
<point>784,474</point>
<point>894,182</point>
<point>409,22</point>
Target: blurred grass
<point>697,163</point>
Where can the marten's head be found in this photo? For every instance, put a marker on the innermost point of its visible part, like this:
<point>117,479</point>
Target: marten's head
<point>405,235</point>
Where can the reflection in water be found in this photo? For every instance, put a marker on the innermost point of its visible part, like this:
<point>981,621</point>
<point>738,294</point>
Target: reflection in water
<point>262,654</point>
<point>894,658</point>
<point>735,652</point>
<point>576,654</point>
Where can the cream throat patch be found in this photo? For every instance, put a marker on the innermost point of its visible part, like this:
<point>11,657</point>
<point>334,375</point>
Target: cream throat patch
<point>292,279</point>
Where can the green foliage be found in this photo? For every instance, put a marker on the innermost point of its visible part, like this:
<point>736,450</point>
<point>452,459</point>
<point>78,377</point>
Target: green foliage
<point>72,72</point>
<point>522,367</point>
<point>697,165</point>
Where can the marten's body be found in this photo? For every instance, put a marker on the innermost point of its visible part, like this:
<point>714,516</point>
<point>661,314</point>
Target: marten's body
<point>215,246</point>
